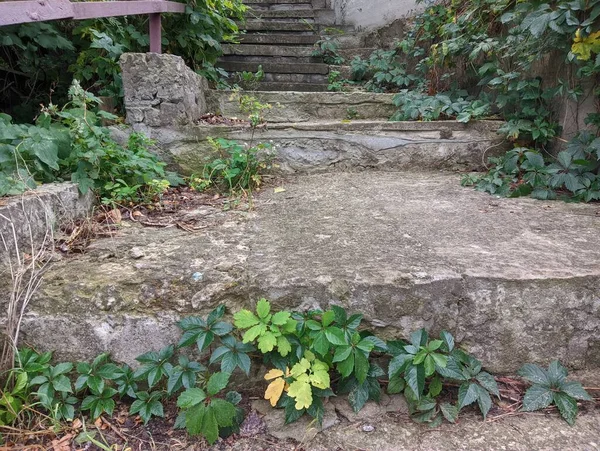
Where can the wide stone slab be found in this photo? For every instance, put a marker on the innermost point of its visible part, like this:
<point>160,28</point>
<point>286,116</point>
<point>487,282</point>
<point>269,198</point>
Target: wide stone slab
<point>516,280</point>
<point>328,146</point>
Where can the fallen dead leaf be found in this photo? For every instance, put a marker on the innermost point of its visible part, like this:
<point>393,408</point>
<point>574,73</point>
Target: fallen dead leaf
<point>63,444</point>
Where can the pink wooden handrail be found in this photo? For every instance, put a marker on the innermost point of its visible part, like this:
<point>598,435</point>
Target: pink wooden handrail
<point>16,12</point>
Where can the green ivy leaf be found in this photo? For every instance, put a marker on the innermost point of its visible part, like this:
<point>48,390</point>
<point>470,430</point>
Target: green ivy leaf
<point>395,385</point>
<point>537,397</point>
<point>567,406</point>
<point>415,379</point>
<point>488,382</point>
<point>467,394</point>
<point>224,412</point>
<point>358,396</point>
<point>556,373</point>
<point>263,307</point>
<point>449,411</point>
<point>191,397</point>
<point>245,319</point>
<point>217,382</point>
<point>534,374</point>
<point>575,390</point>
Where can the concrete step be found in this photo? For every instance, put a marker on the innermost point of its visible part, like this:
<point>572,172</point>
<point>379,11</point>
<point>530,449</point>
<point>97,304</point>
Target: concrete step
<point>407,250</point>
<point>320,16</point>
<point>276,2</point>
<point>296,87</point>
<point>307,107</point>
<point>280,25</point>
<point>280,13</point>
<point>283,68</point>
<point>295,51</point>
<point>279,39</point>
<point>271,59</point>
<point>267,50</point>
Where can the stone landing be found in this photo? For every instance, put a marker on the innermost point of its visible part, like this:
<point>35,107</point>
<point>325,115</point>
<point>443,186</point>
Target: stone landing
<point>516,280</point>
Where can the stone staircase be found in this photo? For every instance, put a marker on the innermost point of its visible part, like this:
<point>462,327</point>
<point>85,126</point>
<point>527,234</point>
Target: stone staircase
<point>280,37</point>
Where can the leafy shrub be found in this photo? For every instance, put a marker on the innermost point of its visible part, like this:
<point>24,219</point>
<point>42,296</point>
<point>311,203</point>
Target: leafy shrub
<point>70,143</point>
<point>522,171</point>
<point>238,168</point>
<point>384,70</point>
<point>328,49</point>
<point>312,356</point>
<point>416,106</point>
<point>42,58</point>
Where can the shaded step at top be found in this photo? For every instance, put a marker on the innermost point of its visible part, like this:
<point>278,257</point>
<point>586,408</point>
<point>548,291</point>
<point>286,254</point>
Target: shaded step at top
<point>263,25</point>
<point>280,13</point>
<point>296,87</point>
<point>267,50</point>
<point>275,2</point>
<point>281,68</point>
<point>280,39</point>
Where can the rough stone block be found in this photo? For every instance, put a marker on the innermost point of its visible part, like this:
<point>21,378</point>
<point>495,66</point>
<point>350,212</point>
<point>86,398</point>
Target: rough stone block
<point>173,89</point>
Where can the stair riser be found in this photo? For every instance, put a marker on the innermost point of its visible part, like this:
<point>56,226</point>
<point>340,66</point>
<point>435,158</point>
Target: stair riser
<point>276,68</point>
<point>305,106</point>
<point>296,87</point>
<point>280,39</point>
<point>267,50</point>
<point>252,25</point>
<point>271,59</point>
<point>320,16</point>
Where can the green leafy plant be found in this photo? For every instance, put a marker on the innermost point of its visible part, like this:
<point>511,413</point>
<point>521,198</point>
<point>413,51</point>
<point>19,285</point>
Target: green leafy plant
<point>327,48</point>
<point>92,376</point>
<point>250,81</point>
<point>148,405</point>
<point>551,387</point>
<point>71,143</point>
<point>268,330</point>
<point>203,413</point>
<point>55,389</point>
<point>154,365</point>
<point>237,169</point>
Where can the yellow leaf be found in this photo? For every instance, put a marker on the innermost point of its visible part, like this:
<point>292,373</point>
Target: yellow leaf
<point>320,379</point>
<point>302,393</point>
<point>273,374</point>
<point>274,391</point>
<point>300,368</point>
<point>583,47</point>
<point>279,190</point>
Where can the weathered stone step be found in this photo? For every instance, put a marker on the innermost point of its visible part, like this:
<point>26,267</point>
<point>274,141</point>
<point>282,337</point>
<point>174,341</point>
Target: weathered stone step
<point>281,13</point>
<point>279,25</point>
<point>284,68</point>
<point>320,16</point>
<point>276,2</point>
<point>270,60</point>
<point>296,78</point>
<point>267,50</point>
<point>279,39</point>
<point>309,107</point>
<point>297,51</point>
<point>289,86</point>
<point>407,250</point>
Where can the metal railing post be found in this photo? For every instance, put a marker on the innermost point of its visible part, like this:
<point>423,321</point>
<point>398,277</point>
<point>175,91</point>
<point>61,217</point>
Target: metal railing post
<point>155,33</point>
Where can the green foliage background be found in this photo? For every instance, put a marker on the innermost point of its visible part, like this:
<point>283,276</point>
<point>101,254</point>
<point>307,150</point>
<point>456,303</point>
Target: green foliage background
<point>38,61</point>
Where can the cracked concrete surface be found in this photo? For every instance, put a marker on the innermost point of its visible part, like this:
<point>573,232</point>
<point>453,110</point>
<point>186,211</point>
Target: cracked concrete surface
<point>516,280</point>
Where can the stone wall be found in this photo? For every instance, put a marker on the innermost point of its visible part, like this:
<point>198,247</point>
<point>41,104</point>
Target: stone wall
<point>370,14</point>
<point>34,213</point>
<point>160,90</point>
